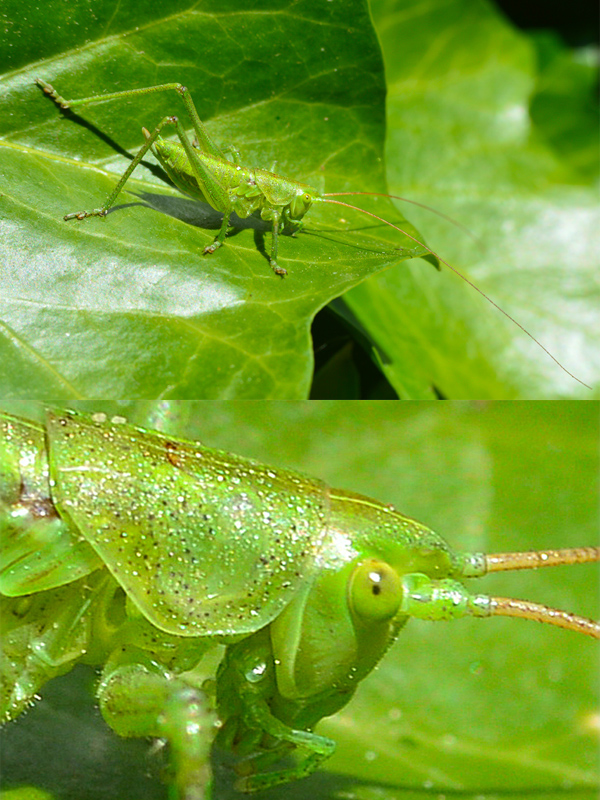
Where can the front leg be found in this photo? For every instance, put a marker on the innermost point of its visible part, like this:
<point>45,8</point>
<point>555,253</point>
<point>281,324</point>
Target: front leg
<point>246,688</point>
<point>317,749</point>
<point>139,698</point>
<point>276,217</point>
<point>220,237</point>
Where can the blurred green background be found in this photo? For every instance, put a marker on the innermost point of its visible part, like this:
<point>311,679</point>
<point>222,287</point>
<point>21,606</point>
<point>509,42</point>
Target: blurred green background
<point>470,709</point>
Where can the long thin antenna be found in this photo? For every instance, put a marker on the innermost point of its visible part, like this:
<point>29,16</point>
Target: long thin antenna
<point>533,559</point>
<point>460,275</point>
<point>510,607</point>
<point>454,222</point>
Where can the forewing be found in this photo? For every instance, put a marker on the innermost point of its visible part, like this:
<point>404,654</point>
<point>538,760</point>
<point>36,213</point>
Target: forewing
<point>203,542</point>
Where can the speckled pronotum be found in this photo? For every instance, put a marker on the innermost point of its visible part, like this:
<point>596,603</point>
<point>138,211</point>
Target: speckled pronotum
<point>138,553</point>
<point>204,171</point>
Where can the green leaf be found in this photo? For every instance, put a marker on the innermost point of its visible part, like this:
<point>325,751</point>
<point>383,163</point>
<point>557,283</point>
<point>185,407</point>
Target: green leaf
<point>128,306</point>
<point>470,709</point>
<point>483,123</point>
<point>567,80</point>
<point>461,138</point>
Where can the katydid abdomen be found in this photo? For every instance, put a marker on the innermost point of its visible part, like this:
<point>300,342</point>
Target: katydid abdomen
<point>249,189</point>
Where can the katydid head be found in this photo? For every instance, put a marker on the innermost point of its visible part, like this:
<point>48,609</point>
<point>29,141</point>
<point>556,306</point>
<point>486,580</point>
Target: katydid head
<point>304,198</point>
<point>377,569</point>
<point>325,198</point>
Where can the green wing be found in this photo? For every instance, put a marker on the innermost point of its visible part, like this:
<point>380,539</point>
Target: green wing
<point>204,543</point>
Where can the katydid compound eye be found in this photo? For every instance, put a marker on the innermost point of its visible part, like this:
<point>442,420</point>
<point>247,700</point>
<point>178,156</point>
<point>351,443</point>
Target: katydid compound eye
<point>374,591</point>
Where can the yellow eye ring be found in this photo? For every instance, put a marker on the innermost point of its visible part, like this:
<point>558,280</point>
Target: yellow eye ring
<point>374,591</point>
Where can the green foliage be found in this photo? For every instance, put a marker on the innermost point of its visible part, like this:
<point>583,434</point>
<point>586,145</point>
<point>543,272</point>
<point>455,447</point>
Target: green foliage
<point>474,708</point>
<point>128,307</point>
<point>485,129</point>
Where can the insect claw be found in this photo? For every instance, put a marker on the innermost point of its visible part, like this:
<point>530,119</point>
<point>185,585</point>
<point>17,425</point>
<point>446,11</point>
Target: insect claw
<point>99,212</point>
<point>52,93</point>
<point>277,269</point>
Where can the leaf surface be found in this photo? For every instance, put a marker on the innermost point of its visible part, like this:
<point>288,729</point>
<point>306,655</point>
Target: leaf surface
<point>485,127</point>
<point>128,306</point>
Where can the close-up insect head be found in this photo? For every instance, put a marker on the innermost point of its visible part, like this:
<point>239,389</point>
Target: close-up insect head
<point>223,605</point>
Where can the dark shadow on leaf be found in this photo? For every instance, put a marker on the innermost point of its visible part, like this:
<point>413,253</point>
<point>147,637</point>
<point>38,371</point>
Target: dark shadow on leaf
<point>72,116</point>
<point>359,332</point>
<point>64,746</point>
<point>199,214</point>
<point>327,785</point>
<point>202,215</point>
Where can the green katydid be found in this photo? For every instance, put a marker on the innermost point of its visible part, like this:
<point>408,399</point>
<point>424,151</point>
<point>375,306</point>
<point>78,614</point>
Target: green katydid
<point>203,171</point>
<point>139,552</point>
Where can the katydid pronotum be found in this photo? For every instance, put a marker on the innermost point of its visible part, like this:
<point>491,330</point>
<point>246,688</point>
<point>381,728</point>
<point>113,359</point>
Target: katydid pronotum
<point>140,553</point>
<point>204,171</point>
